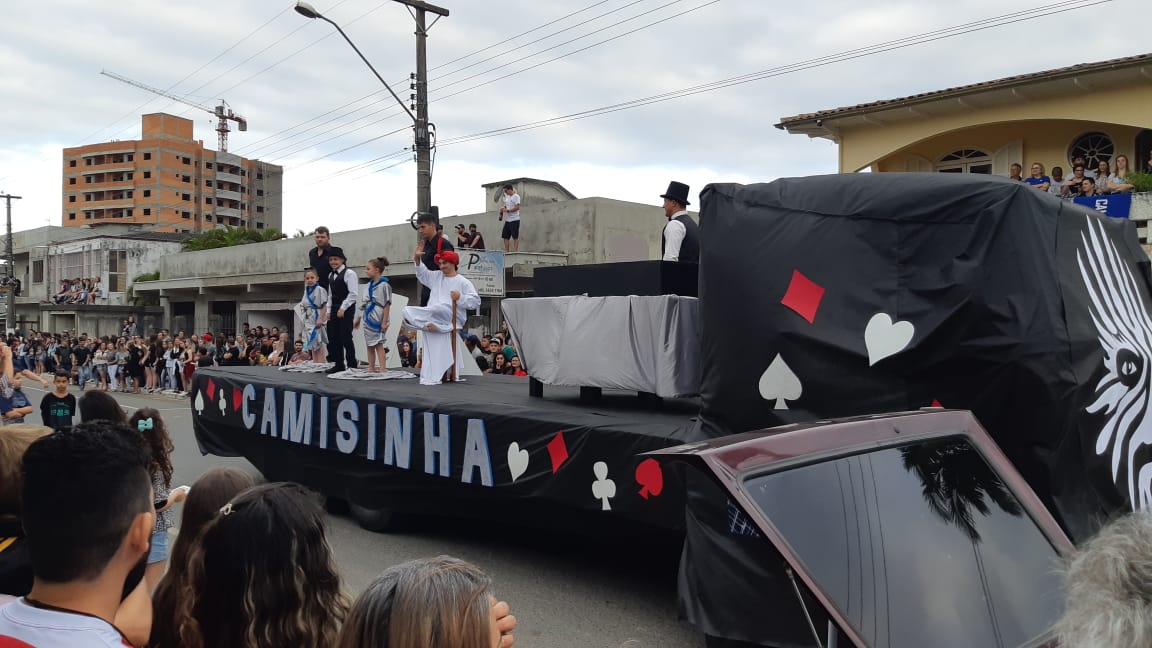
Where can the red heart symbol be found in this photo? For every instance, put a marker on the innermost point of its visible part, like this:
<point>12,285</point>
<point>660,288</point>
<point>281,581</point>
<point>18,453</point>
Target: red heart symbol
<point>650,476</point>
<point>211,390</point>
<point>237,398</point>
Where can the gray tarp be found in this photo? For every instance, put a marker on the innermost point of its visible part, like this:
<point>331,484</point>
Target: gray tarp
<point>644,344</point>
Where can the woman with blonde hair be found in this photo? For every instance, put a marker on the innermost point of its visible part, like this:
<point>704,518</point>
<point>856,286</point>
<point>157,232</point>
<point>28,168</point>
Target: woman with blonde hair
<point>1119,182</point>
<point>440,602</point>
<point>261,575</point>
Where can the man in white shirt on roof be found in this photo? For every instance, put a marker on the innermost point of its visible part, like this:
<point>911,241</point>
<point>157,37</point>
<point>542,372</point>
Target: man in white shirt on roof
<point>510,214</point>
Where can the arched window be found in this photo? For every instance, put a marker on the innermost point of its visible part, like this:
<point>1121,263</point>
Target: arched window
<point>1093,147</point>
<point>966,161</point>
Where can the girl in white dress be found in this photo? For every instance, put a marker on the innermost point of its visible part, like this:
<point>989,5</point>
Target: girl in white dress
<point>377,308</point>
<point>313,309</point>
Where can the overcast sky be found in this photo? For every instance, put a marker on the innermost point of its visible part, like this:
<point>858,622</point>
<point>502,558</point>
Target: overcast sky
<point>301,87</point>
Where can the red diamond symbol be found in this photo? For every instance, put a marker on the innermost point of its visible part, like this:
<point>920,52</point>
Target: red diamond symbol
<point>803,296</point>
<point>558,451</point>
<point>211,390</point>
<point>237,395</point>
<point>936,403</point>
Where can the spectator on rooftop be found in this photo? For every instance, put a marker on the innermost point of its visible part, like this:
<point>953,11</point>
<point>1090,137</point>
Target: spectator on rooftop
<point>1079,160</point>
<point>1072,184</point>
<point>1038,179</point>
<point>1056,186</point>
<point>477,239</point>
<point>1088,187</point>
<point>1014,171</point>
<point>1119,182</point>
<point>1103,177</point>
<point>463,240</point>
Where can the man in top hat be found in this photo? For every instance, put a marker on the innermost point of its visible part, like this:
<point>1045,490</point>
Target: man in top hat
<point>342,297</point>
<point>680,240</point>
<point>447,285</point>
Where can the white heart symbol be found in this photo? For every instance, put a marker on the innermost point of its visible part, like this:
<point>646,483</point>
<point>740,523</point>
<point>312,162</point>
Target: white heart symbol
<point>517,461</point>
<point>884,338</point>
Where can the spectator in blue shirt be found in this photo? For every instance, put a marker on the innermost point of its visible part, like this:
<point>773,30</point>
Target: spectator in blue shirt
<point>1038,179</point>
<point>15,407</point>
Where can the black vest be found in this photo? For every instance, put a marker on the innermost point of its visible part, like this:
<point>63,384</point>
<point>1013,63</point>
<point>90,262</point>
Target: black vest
<point>338,289</point>
<point>690,246</point>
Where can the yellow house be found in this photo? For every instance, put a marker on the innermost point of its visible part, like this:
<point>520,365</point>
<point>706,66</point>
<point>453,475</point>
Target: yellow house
<point>1098,110</point>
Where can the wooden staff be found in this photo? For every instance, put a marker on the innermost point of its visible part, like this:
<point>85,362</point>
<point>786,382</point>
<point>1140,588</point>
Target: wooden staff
<point>452,372</point>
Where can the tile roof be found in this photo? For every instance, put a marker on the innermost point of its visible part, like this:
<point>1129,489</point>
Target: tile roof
<point>1072,70</point>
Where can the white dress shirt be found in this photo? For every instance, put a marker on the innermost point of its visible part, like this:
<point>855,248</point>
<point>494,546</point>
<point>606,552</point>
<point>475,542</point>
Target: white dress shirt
<point>674,233</point>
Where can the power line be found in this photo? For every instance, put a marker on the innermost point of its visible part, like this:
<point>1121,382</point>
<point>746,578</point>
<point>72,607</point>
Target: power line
<point>264,148</point>
<point>544,38</point>
<point>136,111</point>
<point>557,58</point>
<point>919,39</point>
<point>309,143</point>
<point>901,43</point>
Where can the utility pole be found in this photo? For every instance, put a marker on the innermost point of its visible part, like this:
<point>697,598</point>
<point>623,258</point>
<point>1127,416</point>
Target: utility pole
<point>10,275</point>
<point>423,135</point>
<point>425,132</point>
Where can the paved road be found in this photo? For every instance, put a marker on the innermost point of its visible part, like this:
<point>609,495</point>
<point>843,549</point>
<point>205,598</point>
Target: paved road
<point>567,592</point>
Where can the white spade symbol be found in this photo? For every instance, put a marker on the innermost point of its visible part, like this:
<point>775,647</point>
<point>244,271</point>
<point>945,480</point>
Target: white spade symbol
<point>780,384</point>
<point>198,404</point>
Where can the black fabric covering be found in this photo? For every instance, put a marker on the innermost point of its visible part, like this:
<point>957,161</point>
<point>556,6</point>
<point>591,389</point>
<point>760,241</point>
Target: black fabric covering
<point>987,271</point>
<point>614,431</point>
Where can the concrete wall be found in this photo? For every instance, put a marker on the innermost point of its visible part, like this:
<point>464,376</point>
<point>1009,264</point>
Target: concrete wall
<point>590,230</point>
<point>266,279</point>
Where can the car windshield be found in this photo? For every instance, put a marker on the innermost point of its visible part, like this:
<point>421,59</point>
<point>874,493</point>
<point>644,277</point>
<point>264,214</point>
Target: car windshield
<point>917,546</point>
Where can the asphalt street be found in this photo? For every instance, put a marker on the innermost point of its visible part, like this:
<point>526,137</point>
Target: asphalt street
<point>566,590</point>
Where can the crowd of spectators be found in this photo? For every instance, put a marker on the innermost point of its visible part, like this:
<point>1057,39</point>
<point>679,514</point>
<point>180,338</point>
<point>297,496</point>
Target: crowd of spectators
<point>251,565</point>
<point>78,291</point>
<point>1083,181</point>
<point>494,354</point>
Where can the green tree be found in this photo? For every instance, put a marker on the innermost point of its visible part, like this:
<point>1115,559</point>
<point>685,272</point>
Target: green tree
<point>229,236</point>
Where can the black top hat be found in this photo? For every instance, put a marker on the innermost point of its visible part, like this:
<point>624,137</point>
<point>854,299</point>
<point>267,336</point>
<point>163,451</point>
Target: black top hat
<point>677,191</point>
<point>336,252</point>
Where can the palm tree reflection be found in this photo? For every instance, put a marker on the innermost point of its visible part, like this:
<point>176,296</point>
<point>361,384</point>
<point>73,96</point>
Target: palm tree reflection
<point>956,481</point>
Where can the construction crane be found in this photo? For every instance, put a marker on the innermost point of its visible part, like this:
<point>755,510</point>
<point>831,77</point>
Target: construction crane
<point>223,113</point>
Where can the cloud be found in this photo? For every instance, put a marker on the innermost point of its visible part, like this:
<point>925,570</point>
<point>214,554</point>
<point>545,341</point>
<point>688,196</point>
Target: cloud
<point>280,70</point>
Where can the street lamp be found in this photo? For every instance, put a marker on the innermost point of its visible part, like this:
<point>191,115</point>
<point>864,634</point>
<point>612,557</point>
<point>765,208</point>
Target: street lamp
<point>423,138</point>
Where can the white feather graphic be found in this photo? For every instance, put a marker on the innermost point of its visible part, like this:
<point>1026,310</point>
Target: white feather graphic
<point>1125,331</point>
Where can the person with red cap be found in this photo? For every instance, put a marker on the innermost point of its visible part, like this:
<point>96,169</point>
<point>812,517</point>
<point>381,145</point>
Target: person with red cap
<point>447,286</point>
